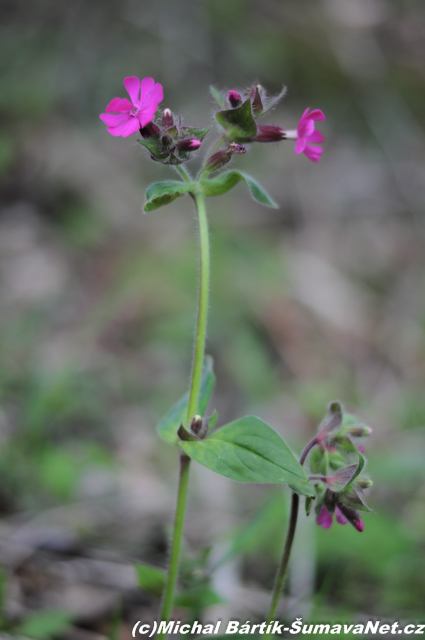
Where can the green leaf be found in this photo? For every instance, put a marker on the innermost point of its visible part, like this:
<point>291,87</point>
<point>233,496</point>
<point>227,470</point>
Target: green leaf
<point>155,147</point>
<point>213,419</point>
<point>198,597</point>
<point>45,624</point>
<point>248,450</point>
<point>193,132</point>
<point>170,423</point>
<point>150,579</point>
<point>162,193</point>
<point>218,97</point>
<point>226,181</point>
<point>239,123</point>
<point>274,101</point>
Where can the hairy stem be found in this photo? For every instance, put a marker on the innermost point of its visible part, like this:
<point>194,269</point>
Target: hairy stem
<point>201,323</point>
<point>195,384</point>
<point>173,567</point>
<point>290,534</point>
<point>283,566</point>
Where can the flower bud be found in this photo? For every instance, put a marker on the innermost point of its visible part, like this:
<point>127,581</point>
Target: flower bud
<point>234,98</point>
<point>190,144</point>
<point>199,426</point>
<point>218,160</point>
<point>149,130</point>
<point>167,119</point>
<point>167,141</point>
<point>364,483</point>
<point>269,133</point>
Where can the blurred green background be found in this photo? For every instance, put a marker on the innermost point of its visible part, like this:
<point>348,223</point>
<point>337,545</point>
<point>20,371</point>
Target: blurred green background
<point>320,299</point>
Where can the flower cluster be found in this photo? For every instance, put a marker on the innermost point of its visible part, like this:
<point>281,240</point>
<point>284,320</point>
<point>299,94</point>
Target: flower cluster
<point>337,464</point>
<point>171,143</point>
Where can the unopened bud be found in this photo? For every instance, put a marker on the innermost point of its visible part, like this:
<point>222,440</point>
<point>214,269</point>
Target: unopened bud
<point>190,144</point>
<point>218,160</point>
<point>149,130</point>
<point>234,98</point>
<point>167,119</point>
<point>364,483</point>
<point>167,141</point>
<point>199,426</point>
<point>269,133</point>
<point>358,524</point>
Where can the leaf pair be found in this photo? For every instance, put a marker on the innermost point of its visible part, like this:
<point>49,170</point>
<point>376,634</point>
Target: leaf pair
<point>247,450</point>
<point>163,193</point>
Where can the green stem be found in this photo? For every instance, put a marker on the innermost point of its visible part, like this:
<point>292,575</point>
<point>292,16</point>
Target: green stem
<point>195,384</point>
<point>183,173</point>
<point>201,324</point>
<point>173,568</point>
<point>290,534</point>
<point>283,566</point>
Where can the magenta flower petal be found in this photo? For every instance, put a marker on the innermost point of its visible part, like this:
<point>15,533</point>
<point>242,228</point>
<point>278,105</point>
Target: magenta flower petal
<point>316,136</point>
<point>120,129</point>
<point>119,104</point>
<point>316,115</point>
<point>304,117</point>
<point>313,153</point>
<point>146,86</point>
<point>133,125</point>
<point>156,96</point>
<point>340,517</point>
<point>113,119</point>
<point>306,128</point>
<point>324,518</point>
<point>300,145</point>
<point>147,116</point>
<point>133,87</point>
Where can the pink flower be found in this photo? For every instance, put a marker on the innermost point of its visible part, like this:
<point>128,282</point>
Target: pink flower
<point>325,519</point>
<point>124,117</point>
<point>305,135</point>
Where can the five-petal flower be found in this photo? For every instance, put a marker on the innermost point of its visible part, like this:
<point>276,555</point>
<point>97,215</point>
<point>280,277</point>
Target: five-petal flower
<point>306,135</point>
<point>123,117</point>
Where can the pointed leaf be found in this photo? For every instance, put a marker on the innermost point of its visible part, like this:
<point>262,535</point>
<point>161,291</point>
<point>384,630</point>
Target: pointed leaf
<point>194,132</point>
<point>154,146</point>
<point>226,181</point>
<point>354,500</point>
<point>177,415</point>
<point>213,419</point>
<point>218,97</point>
<point>248,450</point>
<point>257,104</point>
<point>274,101</point>
<point>239,122</point>
<point>162,193</point>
